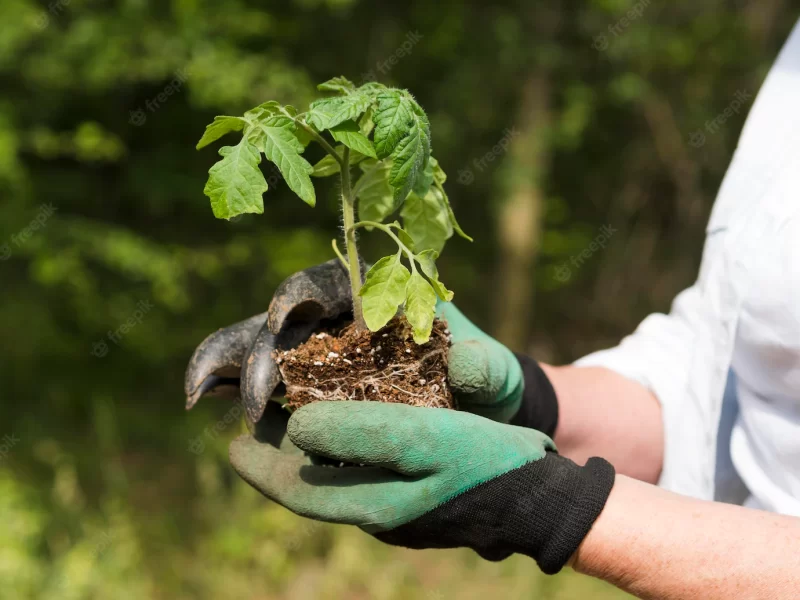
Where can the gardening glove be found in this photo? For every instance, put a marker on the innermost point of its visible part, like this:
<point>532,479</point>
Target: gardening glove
<point>485,377</point>
<point>488,379</point>
<point>237,361</point>
<point>433,478</point>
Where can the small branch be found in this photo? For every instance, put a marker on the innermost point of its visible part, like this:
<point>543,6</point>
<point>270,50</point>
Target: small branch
<point>322,142</point>
<point>388,231</point>
<point>342,259</point>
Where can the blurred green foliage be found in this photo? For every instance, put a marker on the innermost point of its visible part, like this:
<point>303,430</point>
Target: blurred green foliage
<point>114,269</point>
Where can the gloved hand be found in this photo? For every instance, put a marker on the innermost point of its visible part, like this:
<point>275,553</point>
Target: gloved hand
<point>489,380</point>
<point>237,361</point>
<point>485,376</point>
<point>435,478</point>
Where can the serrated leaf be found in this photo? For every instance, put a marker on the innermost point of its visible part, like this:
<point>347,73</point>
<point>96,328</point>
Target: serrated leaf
<point>393,118</point>
<point>425,219</point>
<point>406,239</point>
<point>372,87</point>
<point>235,184</point>
<point>349,134</point>
<point>275,137</point>
<point>375,195</point>
<point>451,216</point>
<point>402,131</point>
<point>427,261</point>
<point>341,85</point>
<point>408,160</point>
<point>219,127</point>
<point>420,307</point>
<point>366,124</point>
<point>425,178</point>
<point>329,112</point>
<point>383,291</point>
<point>328,166</point>
<point>439,175</point>
<point>263,110</point>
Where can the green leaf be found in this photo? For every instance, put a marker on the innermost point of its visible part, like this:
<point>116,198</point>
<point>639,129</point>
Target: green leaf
<point>369,163</point>
<point>329,112</point>
<point>451,216</point>
<point>235,183</point>
<point>276,139</point>
<point>425,178</point>
<point>439,175</point>
<point>366,124</point>
<point>420,307</point>
<point>402,234</point>
<point>383,291</point>
<point>327,165</point>
<point>375,195</point>
<point>262,110</point>
<point>303,136</point>
<point>219,127</point>
<point>402,131</point>
<point>372,88</point>
<point>349,134</point>
<point>408,161</point>
<point>341,85</point>
<point>425,219</point>
<point>393,118</point>
<point>427,261</point>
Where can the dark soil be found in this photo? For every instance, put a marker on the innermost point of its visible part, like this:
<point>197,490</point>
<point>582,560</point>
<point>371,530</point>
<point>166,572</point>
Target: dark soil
<point>386,366</point>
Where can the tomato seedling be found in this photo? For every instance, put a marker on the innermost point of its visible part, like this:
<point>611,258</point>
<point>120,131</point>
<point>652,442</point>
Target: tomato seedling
<point>386,134</point>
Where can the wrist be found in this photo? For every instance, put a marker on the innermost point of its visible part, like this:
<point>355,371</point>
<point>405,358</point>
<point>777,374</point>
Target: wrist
<point>539,403</point>
<point>560,509</point>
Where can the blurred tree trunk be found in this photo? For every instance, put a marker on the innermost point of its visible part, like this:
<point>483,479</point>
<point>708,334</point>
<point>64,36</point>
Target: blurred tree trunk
<point>520,214</point>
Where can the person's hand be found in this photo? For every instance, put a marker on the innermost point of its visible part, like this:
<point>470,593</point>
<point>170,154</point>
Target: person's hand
<point>237,361</point>
<point>486,378</point>
<point>433,478</point>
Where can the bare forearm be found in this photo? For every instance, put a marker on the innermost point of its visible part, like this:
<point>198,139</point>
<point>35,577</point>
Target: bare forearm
<point>602,413</point>
<point>656,544</point>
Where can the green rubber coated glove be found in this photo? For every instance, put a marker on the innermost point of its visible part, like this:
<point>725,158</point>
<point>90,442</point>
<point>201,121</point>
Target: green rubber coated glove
<point>485,376</point>
<point>434,478</point>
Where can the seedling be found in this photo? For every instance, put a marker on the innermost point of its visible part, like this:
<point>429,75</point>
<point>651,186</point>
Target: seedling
<point>385,134</point>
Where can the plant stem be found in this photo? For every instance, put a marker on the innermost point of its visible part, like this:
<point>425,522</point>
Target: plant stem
<point>388,231</point>
<point>324,143</point>
<point>348,210</point>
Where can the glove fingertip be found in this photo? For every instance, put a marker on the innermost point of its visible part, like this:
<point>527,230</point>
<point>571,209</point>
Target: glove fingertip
<point>468,368</point>
<point>299,424</point>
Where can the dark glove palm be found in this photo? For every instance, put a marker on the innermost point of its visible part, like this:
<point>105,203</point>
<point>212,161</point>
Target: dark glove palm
<point>484,376</point>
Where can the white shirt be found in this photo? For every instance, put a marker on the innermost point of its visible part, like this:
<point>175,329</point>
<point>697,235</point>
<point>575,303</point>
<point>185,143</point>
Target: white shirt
<point>725,363</point>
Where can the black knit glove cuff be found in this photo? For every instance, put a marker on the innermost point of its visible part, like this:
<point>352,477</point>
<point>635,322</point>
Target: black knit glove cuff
<point>570,498</point>
<point>543,509</point>
<point>539,408</point>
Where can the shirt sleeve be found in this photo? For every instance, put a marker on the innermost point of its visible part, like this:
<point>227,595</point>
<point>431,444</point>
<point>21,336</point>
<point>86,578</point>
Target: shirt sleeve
<point>683,358</point>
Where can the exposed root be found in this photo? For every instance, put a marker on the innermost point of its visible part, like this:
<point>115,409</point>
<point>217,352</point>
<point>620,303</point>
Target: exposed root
<point>385,367</point>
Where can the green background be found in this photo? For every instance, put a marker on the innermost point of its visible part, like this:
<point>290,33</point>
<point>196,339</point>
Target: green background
<point>582,156</point>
